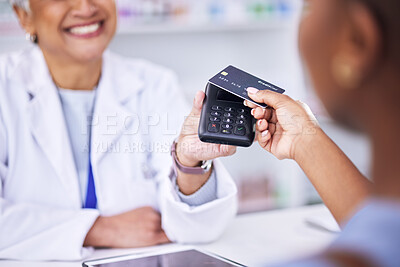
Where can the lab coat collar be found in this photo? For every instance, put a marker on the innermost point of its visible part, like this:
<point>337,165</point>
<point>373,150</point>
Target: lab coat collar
<point>117,80</point>
<point>36,75</point>
<point>117,86</point>
<point>47,121</point>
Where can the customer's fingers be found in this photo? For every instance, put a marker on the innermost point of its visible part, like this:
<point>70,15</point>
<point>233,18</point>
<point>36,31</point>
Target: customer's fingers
<point>262,125</point>
<point>272,128</point>
<point>258,113</point>
<point>267,114</point>
<point>262,113</point>
<point>264,138</point>
<point>249,104</point>
<point>274,117</point>
<point>272,99</point>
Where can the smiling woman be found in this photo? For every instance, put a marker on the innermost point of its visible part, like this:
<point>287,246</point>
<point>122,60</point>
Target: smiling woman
<point>70,33</point>
<point>69,177</point>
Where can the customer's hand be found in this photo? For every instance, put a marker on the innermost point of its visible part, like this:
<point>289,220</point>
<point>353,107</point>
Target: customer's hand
<point>282,126</point>
<point>190,150</point>
<point>137,228</point>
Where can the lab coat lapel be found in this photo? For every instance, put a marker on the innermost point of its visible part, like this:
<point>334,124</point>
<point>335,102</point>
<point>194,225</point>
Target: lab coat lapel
<point>112,117</point>
<point>48,126</point>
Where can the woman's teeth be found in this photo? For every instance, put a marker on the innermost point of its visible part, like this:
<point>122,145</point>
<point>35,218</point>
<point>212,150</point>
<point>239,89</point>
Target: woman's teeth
<point>81,30</point>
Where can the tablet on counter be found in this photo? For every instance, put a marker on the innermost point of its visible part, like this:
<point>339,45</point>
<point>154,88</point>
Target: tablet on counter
<point>185,258</point>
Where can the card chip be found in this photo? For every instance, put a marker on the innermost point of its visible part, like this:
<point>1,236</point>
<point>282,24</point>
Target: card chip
<point>224,73</point>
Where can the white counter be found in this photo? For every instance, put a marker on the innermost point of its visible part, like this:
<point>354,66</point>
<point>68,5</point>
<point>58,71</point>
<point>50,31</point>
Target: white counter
<point>253,239</point>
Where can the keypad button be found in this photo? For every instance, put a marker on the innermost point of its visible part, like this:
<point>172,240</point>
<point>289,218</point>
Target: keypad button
<point>241,117</point>
<point>215,119</point>
<point>228,115</point>
<point>213,127</point>
<point>228,120</point>
<point>240,130</point>
<point>229,109</point>
<point>240,122</point>
<point>226,131</point>
<point>216,108</point>
<point>227,126</point>
<point>216,113</point>
<point>242,111</point>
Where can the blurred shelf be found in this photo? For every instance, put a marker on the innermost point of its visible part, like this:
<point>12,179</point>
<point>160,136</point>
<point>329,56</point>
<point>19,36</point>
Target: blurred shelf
<point>11,30</point>
<point>185,16</point>
<point>203,28</point>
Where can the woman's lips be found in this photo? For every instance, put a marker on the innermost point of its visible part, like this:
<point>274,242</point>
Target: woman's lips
<point>86,31</point>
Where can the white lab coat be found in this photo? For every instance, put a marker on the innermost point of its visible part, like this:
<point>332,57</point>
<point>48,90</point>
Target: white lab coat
<point>138,112</point>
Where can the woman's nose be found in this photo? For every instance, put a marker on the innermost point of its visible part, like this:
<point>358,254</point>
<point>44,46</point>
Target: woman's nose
<point>84,8</point>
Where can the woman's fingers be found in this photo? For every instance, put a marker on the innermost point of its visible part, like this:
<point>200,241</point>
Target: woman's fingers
<point>274,117</point>
<point>262,113</point>
<point>249,104</point>
<point>197,103</point>
<point>162,238</point>
<point>272,129</point>
<point>264,138</point>
<point>258,113</point>
<point>227,150</point>
<point>270,98</point>
<point>266,114</point>
<point>262,125</point>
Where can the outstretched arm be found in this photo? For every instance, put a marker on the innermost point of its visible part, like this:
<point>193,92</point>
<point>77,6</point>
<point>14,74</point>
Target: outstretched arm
<point>289,130</point>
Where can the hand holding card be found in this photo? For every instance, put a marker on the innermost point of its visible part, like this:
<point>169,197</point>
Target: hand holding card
<point>284,127</point>
<point>224,119</point>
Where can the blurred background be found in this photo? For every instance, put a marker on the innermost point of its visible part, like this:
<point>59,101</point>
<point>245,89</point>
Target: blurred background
<point>197,39</point>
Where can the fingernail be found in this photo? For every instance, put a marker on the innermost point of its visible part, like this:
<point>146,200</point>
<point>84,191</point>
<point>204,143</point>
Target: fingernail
<point>265,133</point>
<point>252,90</point>
<point>252,112</point>
<point>244,103</point>
<point>259,122</point>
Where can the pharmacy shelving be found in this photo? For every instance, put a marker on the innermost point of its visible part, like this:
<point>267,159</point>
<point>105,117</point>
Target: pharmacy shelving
<point>203,28</point>
<point>185,16</point>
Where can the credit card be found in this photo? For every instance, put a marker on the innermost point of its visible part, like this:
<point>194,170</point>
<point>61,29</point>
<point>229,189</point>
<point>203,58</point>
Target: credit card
<point>237,81</point>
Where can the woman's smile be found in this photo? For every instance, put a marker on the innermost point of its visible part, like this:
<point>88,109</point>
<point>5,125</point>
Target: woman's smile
<point>87,30</point>
<point>72,31</point>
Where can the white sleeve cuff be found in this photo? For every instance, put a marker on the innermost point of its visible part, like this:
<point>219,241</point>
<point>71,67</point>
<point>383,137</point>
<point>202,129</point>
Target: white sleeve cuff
<point>207,193</point>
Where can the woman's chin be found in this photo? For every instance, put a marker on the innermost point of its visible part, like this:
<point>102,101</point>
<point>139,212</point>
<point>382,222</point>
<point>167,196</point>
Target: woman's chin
<point>87,49</point>
<point>87,55</point>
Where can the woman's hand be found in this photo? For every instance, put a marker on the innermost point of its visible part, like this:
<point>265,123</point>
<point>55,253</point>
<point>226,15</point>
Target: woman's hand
<point>190,150</point>
<point>282,126</point>
<point>136,228</point>
<point>289,130</point>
